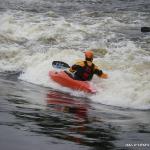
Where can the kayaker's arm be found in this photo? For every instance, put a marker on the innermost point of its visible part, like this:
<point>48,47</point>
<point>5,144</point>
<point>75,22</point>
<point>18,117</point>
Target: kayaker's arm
<point>104,75</point>
<point>73,68</point>
<point>76,66</point>
<point>100,73</point>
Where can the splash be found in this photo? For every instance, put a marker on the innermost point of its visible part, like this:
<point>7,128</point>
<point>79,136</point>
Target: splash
<point>30,46</point>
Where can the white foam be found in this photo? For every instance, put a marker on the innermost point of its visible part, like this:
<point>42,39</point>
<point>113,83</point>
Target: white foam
<point>40,64</point>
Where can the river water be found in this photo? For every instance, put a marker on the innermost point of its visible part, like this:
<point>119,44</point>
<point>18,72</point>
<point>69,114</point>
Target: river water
<point>36,113</point>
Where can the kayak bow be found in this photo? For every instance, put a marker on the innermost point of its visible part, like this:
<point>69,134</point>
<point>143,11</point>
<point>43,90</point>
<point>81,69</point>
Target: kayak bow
<point>65,80</point>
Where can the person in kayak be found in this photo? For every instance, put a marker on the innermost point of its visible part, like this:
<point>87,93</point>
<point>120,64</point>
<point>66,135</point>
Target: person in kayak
<point>84,70</point>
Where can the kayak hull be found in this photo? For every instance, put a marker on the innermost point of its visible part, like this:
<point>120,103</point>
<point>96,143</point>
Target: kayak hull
<point>65,80</point>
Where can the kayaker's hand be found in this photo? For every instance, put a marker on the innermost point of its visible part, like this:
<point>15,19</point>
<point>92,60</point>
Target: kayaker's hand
<point>104,75</point>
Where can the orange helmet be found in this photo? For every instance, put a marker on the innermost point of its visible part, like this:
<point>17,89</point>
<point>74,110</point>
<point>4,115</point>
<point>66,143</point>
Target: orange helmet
<point>89,54</point>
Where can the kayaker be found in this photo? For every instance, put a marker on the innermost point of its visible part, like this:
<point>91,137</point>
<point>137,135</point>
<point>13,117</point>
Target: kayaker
<point>84,70</point>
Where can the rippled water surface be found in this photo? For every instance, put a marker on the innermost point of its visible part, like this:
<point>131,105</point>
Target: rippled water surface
<point>36,113</point>
<point>34,117</point>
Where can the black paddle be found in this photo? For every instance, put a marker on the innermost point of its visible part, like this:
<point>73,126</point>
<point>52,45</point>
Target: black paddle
<point>60,65</point>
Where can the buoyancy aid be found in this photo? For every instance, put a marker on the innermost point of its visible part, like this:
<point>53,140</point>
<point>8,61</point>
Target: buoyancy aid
<point>85,73</point>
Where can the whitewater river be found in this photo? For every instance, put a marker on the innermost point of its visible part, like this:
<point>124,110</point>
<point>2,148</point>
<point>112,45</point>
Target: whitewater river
<point>38,114</point>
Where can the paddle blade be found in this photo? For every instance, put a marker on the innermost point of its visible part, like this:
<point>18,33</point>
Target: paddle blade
<point>60,65</point>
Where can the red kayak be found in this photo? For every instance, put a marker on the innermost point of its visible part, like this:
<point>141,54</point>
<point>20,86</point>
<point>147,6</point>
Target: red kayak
<point>64,79</point>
